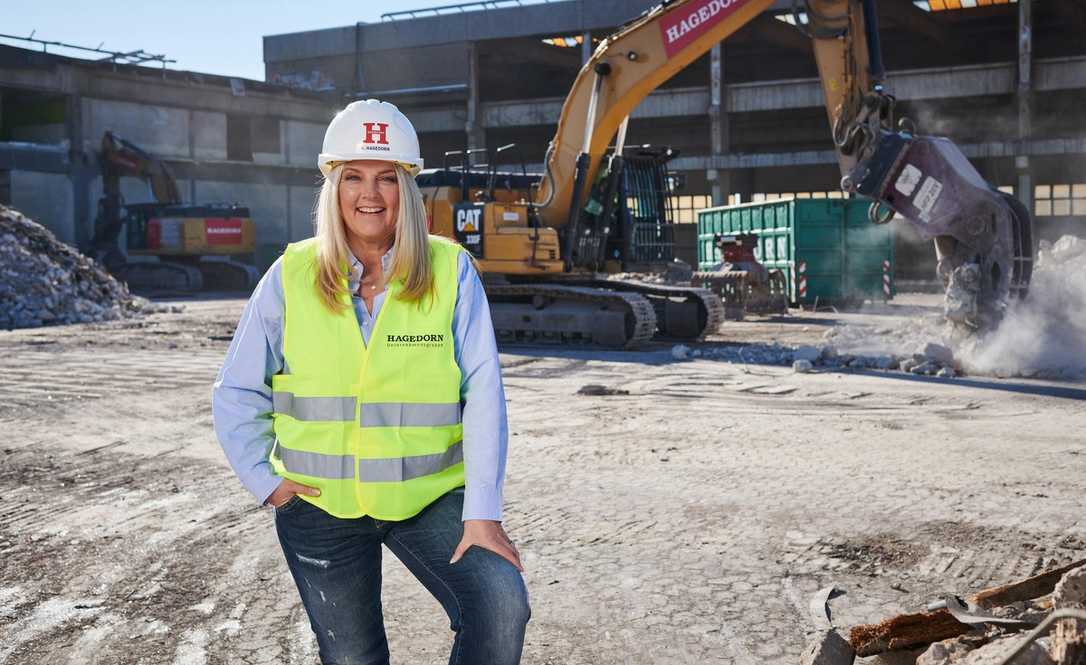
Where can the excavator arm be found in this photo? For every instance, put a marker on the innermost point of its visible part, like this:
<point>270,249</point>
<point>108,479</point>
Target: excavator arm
<point>982,237</point>
<point>118,158</point>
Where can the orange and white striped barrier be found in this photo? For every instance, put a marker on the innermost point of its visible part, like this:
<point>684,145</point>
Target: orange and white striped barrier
<point>801,280</point>
<point>886,278</point>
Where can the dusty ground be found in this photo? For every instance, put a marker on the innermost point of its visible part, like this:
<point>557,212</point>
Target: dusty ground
<point>686,522</point>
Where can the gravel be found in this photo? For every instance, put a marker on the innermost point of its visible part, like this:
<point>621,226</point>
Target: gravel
<point>46,282</point>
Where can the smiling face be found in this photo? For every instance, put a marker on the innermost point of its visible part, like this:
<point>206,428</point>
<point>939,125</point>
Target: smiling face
<point>369,201</point>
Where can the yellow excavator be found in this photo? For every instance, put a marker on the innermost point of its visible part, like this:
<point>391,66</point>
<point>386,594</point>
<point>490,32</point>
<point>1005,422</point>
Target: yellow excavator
<point>168,245</point>
<point>542,243</point>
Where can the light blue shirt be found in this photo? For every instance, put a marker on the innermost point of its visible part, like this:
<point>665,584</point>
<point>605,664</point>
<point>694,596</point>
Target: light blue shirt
<point>241,401</point>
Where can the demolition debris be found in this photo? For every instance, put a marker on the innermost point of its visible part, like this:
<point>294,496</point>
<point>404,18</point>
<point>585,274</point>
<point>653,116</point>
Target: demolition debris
<point>45,282</point>
<point>987,627</point>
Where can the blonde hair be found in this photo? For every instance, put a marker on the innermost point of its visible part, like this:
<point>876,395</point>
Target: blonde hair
<point>410,250</point>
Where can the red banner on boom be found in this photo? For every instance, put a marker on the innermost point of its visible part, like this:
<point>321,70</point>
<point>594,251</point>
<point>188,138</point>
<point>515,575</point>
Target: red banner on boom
<point>682,26</point>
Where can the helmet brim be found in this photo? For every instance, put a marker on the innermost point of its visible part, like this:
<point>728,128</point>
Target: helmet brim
<point>326,162</point>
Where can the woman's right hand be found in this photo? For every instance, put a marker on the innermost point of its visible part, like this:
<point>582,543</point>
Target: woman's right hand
<point>286,490</point>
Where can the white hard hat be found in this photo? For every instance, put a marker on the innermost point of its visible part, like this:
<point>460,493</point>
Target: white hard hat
<point>370,129</point>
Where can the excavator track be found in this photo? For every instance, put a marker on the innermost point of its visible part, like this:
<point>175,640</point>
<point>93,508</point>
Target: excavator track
<point>686,313</point>
<point>160,276</point>
<point>565,314</point>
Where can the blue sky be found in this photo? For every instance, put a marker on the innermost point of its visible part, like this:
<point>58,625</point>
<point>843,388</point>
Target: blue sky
<point>218,37</point>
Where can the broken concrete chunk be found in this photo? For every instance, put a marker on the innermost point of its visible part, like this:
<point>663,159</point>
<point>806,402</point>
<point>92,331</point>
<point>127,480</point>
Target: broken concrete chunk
<point>802,366</point>
<point>927,368</point>
<point>885,362</point>
<point>1068,643</point>
<point>996,651</point>
<point>939,353</point>
<point>807,352</point>
<point>680,352</point>
<point>1070,591</point>
<point>951,651</point>
<point>827,648</point>
<point>946,373</point>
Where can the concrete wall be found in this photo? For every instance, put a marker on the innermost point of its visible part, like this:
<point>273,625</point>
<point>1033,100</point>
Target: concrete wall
<point>302,200</point>
<point>47,199</point>
<point>302,142</point>
<point>44,133</point>
<point>160,130</point>
<point>266,203</point>
<point>410,68</point>
<point>208,135</point>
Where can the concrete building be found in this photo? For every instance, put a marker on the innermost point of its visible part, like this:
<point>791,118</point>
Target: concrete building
<point>224,139</point>
<point>1006,80</point>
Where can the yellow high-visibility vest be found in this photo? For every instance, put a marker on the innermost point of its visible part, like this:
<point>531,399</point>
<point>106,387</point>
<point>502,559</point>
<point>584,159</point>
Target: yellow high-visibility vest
<point>376,427</point>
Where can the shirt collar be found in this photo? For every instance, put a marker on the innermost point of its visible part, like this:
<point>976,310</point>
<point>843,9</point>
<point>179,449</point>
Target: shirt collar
<point>355,269</point>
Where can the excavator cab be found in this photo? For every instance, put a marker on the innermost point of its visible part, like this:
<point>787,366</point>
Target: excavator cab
<point>626,224</point>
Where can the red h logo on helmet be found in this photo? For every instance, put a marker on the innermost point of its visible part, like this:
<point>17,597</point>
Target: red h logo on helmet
<point>375,132</point>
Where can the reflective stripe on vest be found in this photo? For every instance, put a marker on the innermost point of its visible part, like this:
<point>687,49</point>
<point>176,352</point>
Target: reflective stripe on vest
<point>376,428</point>
<point>399,414</point>
<point>314,408</point>
<point>385,470</point>
<point>388,414</point>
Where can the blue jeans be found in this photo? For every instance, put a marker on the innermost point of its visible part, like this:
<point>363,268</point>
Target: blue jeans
<point>336,564</point>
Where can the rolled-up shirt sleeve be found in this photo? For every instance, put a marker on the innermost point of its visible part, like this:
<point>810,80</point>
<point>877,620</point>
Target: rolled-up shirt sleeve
<point>486,428</point>
<point>241,400</point>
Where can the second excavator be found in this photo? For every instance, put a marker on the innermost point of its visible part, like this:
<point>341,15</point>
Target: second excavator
<point>542,243</point>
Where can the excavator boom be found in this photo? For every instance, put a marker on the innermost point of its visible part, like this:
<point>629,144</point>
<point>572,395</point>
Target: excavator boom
<point>625,68</point>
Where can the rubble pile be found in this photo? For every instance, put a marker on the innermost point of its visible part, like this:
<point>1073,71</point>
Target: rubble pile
<point>45,282</point>
<point>929,359</point>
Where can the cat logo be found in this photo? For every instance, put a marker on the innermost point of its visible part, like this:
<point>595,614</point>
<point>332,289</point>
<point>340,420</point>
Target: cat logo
<point>467,220</point>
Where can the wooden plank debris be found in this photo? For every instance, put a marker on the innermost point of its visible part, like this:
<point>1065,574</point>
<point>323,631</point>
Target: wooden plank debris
<point>909,631</point>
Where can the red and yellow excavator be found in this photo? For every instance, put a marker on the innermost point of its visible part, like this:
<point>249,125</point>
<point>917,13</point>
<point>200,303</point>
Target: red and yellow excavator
<point>543,242</point>
<point>168,245</point>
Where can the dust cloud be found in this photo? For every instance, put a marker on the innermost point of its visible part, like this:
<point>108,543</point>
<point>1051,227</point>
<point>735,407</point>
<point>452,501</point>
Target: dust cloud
<point>1044,334</point>
<point>1041,336</point>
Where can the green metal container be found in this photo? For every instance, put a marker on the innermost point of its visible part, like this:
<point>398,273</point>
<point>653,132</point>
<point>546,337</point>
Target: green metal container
<point>842,252</point>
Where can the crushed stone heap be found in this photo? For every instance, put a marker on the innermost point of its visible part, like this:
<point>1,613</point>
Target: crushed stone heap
<point>46,282</point>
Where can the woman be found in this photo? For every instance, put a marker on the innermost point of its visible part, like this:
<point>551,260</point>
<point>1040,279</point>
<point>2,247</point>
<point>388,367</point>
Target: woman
<point>371,348</point>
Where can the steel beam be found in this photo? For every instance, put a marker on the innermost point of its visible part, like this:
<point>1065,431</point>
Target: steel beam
<point>476,137</point>
<point>986,150</point>
<point>34,157</point>
<point>1024,98</point>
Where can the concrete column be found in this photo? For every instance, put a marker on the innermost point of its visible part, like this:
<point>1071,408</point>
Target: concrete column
<point>718,125</point>
<point>1024,98</point>
<point>586,46</point>
<point>83,170</point>
<point>474,127</point>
